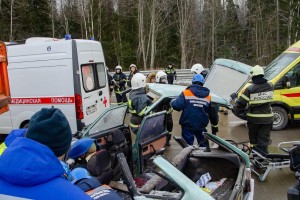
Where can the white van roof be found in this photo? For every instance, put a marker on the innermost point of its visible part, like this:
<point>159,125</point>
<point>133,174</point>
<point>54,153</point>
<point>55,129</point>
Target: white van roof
<point>40,39</point>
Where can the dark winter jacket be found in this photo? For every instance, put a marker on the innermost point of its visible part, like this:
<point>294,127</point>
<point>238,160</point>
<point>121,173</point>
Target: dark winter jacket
<point>138,103</point>
<point>195,103</point>
<point>130,77</point>
<point>120,81</point>
<point>171,72</point>
<point>258,96</point>
<point>30,170</point>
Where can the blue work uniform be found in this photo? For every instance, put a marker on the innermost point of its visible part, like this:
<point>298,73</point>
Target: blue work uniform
<point>29,169</point>
<point>197,111</point>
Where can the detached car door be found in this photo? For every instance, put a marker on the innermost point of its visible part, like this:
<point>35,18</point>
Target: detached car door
<point>226,77</point>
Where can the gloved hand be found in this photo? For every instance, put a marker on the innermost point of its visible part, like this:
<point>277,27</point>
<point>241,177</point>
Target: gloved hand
<point>233,95</point>
<point>214,130</point>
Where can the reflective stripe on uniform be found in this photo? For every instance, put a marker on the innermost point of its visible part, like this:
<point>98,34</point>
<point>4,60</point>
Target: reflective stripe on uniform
<point>130,107</point>
<point>245,97</point>
<point>215,125</point>
<point>142,111</point>
<point>134,125</point>
<point>170,110</point>
<point>260,101</point>
<point>197,101</point>
<point>2,148</point>
<point>259,115</point>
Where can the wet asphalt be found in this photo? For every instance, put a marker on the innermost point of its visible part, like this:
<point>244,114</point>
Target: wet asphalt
<point>232,128</point>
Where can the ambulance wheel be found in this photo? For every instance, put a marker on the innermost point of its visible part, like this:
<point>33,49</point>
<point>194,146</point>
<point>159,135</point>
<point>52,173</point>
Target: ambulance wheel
<point>280,118</point>
<point>24,124</point>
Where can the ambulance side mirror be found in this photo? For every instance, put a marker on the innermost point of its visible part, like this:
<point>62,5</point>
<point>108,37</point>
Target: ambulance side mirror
<point>284,82</point>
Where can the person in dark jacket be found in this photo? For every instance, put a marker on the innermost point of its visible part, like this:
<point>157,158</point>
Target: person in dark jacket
<point>110,82</point>
<point>138,101</point>
<point>133,70</point>
<point>119,79</point>
<point>197,111</point>
<point>258,97</point>
<point>92,186</point>
<point>30,168</point>
<point>199,69</point>
<point>161,77</point>
<point>171,74</point>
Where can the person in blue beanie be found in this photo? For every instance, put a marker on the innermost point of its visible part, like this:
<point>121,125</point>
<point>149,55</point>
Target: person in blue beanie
<point>30,166</point>
<point>82,150</point>
<point>11,137</point>
<point>197,111</point>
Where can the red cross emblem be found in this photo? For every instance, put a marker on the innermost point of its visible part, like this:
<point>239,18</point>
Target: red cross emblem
<point>105,101</point>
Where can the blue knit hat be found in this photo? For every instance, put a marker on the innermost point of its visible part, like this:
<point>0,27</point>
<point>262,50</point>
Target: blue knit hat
<point>51,128</point>
<point>80,147</point>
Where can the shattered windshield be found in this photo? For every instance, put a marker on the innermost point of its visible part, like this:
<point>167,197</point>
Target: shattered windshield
<point>153,126</point>
<point>112,118</point>
<point>277,65</point>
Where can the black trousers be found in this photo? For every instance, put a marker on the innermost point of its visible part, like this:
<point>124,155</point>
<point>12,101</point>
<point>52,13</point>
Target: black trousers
<point>121,98</point>
<point>170,79</point>
<point>259,134</point>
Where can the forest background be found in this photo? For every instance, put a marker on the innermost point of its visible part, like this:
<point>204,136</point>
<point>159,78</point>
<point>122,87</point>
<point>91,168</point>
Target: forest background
<point>154,33</point>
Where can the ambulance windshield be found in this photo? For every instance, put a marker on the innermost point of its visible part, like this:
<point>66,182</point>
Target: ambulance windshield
<point>277,65</point>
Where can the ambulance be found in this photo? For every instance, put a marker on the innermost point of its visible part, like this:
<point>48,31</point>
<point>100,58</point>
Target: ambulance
<point>228,76</point>
<point>68,74</point>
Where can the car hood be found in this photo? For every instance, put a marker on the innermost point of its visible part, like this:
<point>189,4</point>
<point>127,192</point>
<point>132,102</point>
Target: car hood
<point>173,91</point>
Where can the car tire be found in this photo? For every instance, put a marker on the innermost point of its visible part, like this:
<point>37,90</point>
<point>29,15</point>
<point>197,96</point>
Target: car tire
<point>25,124</point>
<point>280,118</point>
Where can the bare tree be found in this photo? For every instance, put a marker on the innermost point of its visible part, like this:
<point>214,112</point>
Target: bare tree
<point>184,12</point>
<point>11,20</point>
<point>141,51</point>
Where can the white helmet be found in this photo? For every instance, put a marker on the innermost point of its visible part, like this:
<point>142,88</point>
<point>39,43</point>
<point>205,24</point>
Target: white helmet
<point>197,68</point>
<point>138,81</point>
<point>119,67</point>
<point>160,75</point>
<point>257,70</point>
<point>133,65</point>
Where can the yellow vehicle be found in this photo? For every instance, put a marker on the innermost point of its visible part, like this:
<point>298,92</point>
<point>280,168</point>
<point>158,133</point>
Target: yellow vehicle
<point>284,73</point>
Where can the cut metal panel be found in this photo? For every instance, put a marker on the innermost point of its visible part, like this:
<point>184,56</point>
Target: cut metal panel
<point>226,77</point>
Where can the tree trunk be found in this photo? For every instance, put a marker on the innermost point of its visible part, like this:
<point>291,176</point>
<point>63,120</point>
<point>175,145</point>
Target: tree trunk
<point>11,20</point>
<point>152,35</point>
<point>141,46</point>
<point>52,17</point>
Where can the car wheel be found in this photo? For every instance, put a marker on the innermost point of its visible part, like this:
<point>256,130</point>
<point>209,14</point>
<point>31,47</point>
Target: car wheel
<point>25,124</point>
<point>280,118</point>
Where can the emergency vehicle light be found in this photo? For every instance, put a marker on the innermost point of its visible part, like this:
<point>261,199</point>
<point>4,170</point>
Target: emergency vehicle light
<point>68,37</point>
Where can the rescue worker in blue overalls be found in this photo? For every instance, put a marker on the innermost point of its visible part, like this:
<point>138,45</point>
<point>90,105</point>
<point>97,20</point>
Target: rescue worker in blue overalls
<point>138,101</point>
<point>258,97</point>
<point>197,111</point>
<point>161,77</point>
<point>199,69</point>
<point>119,80</point>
